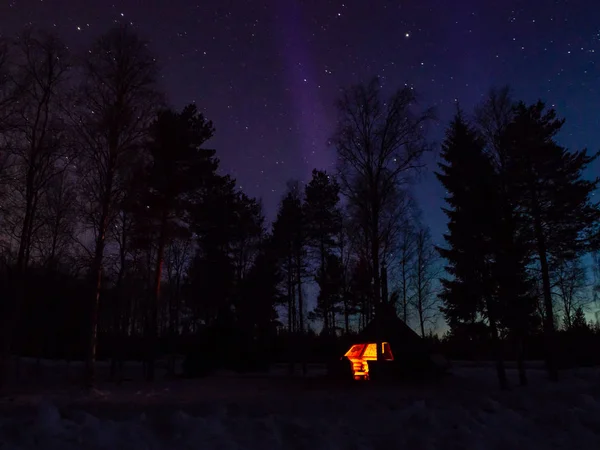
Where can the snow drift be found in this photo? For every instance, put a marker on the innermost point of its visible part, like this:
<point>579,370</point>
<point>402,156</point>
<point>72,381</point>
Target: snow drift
<point>465,411</point>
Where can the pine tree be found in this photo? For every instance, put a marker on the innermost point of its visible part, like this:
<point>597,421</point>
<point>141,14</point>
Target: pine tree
<point>179,168</point>
<point>289,233</point>
<point>323,226</point>
<point>361,291</point>
<point>553,197</point>
<point>330,281</point>
<point>212,273</point>
<point>260,292</point>
<point>248,233</point>
<point>468,176</point>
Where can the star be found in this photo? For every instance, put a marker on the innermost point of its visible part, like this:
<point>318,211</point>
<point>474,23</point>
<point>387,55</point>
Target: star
<point>269,77</point>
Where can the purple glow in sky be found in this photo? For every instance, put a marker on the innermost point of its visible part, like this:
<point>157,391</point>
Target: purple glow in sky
<point>314,123</point>
<point>245,62</point>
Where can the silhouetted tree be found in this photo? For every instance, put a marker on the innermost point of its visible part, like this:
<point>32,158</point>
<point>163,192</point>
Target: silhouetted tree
<point>468,176</point>
<point>290,234</point>
<point>361,291</point>
<point>9,95</point>
<point>36,146</point>
<point>553,196</point>
<point>579,323</point>
<point>424,274</point>
<point>178,254</point>
<point>114,108</point>
<point>406,259</point>
<point>595,276</point>
<point>347,258</point>
<point>512,237</point>
<point>570,281</point>
<point>122,265</point>
<point>212,272</point>
<point>55,226</point>
<point>8,91</point>
<point>379,145</point>
<point>330,281</point>
<point>260,293</point>
<point>492,117</point>
<point>248,234</point>
<point>323,226</point>
<point>180,167</point>
<point>517,304</point>
<point>246,244</point>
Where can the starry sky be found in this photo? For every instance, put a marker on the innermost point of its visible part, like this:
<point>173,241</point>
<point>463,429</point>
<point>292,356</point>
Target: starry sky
<point>267,72</point>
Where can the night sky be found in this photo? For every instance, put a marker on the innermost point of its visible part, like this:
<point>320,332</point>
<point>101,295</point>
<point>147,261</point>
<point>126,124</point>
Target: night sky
<point>267,72</point>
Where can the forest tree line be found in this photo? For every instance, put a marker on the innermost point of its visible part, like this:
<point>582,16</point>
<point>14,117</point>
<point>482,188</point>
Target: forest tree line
<point>118,223</point>
<point>118,226</point>
<point>521,215</point>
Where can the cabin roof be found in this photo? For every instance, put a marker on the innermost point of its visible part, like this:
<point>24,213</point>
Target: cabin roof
<point>394,330</point>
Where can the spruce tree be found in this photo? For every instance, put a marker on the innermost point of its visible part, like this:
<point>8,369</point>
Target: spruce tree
<point>579,322</point>
<point>468,175</point>
<point>512,237</point>
<point>518,307</point>
<point>552,196</point>
<point>461,174</point>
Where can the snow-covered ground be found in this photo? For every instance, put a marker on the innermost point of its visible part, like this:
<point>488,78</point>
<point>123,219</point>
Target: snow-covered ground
<point>463,411</point>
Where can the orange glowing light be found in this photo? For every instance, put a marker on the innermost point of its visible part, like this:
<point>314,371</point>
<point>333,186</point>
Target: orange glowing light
<point>361,354</point>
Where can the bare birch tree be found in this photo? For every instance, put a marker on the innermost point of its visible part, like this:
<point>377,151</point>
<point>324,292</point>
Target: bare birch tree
<point>55,226</point>
<point>8,97</point>
<point>36,145</point>
<point>379,145</point>
<point>406,258</point>
<point>39,146</point>
<point>116,103</point>
<point>8,91</point>
<point>425,273</point>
